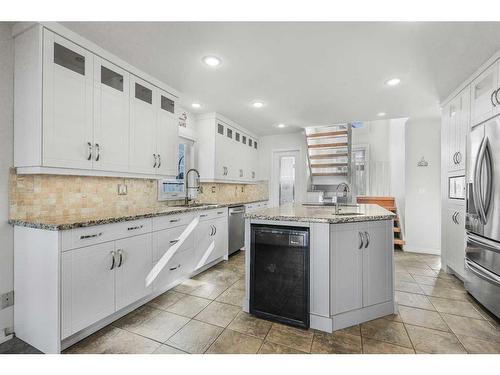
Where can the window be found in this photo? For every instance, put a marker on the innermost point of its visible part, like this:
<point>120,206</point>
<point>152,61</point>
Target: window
<point>220,129</point>
<point>69,59</point>
<point>143,93</point>
<point>229,133</point>
<point>237,137</point>
<point>181,161</point>
<point>111,79</point>
<point>250,142</point>
<point>167,104</point>
<point>244,140</point>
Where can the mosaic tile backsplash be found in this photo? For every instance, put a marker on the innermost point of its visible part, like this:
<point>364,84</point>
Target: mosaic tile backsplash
<point>34,197</point>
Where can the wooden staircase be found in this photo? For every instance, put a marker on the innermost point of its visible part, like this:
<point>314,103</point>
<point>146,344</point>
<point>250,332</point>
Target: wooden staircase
<point>329,151</point>
<point>389,203</point>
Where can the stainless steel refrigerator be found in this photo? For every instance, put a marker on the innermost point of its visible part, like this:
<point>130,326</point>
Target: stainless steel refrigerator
<point>482,256</point>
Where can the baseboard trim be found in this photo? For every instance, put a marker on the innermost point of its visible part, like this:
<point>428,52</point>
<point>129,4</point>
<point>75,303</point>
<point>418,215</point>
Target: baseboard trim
<point>6,338</point>
<point>365,314</point>
<point>410,249</point>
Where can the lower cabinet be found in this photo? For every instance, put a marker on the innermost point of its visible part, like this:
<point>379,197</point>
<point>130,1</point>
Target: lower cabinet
<point>88,286</point>
<point>211,241</point>
<point>361,265</point>
<point>454,239</point>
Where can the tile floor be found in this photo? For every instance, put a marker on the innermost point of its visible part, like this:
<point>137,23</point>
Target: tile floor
<point>203,315</point>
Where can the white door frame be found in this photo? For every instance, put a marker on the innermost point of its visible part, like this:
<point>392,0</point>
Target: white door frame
<point>275,169</point>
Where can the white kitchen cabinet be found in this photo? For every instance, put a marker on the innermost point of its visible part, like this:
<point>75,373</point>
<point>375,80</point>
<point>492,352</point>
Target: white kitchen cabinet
<point>455,122</point>
<point>67,103</point>
<point>454,241</point>
<point>221,239</point>
<point>211,240</point>
<point>88,286</point>
<point>111,117</point>
<point>485,98</point>
<point>134,257</point>
<point>143,110</point>
<point>224,151</point>
<point>361,265</point>
<point>82,111</point>
<point>167,141</point>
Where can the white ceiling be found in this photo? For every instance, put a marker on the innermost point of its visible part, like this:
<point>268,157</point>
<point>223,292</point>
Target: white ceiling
<point>306,73</point>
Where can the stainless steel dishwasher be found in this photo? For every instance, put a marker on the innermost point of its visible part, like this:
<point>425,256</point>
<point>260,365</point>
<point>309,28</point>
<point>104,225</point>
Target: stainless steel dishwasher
<point>236,228</point>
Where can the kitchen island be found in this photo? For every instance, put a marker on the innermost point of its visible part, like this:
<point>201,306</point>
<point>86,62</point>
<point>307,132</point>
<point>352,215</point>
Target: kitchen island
<point>350,274</point>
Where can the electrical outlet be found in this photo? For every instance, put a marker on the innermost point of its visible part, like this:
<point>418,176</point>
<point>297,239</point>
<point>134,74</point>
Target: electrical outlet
<point>213,189</point>
<point>122,189</point>
<point>7,299</point>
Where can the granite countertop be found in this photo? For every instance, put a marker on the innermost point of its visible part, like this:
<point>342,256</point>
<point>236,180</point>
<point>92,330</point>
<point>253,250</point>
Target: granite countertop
<point>78,222</point>
<point>325,214</point>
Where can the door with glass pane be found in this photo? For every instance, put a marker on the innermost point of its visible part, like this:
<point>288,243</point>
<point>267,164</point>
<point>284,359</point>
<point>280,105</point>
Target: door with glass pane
<point>111,117</point>
<point>167,136</point>
<point>67,103</point>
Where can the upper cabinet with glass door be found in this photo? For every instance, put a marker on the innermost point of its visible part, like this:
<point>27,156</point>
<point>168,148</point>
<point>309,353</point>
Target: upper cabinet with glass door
<point>80,110</point>
<point>485,92</point>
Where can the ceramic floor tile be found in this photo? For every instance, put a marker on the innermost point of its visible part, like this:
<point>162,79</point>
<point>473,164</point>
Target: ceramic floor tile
<point>188,286</point>
<point>336,343</point>
<point>423,318</point>
<point>165,300</point>
<point>371,346</point>
<point>421,272</point>
<point>209,291</point>
<point>403,277</point>
<point>295,338</point>
<point>455,307</point>
<point>413,300</point>
<point>250,325</point>
<point>188,306</point>
<point>385,330</point>
<point>438,282</point>
<point>408,287</point>
<point>17,346</point>
<point>477,346</point>
<point>232,342</point>
<point>114,341</point>
<point>433,341</point>
<point>165,349</point>
<point>233,296</point>
<point>219,314</point>
<point>480,329</point>
<point>195,337</point>
<point>272,348</point>
<point>443,292</point>
<point>161,326</point>
<point>136,317</point>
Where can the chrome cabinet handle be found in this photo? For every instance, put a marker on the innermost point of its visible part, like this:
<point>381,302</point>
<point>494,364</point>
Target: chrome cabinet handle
<point>174,268</point>
<point>175,220</point>
<point>90,236</point>
<point>173,241</point>
<point>494,93</point>
<point>215,228</point>
<point>459,157</point>
<point>120,253</point>
<point>89,157</point>
<point>98,150</point>
<point>496,96</point>
<point>455,158</point>
<point>367,236</point>
<point>454,218</point>
<point>361,240</point>
<point>159,160</point>
<point>154,156</point>
<point>220,212</point>
<point>203,215</point>
<point>112,260</point>
<point>211,230</point>
<point>134,228</point>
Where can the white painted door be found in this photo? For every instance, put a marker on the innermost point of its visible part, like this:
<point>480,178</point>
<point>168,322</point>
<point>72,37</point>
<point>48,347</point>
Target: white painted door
<point>205,243</point>
<point>221,166</point>
<point>377,262</point>
<point>285,177</point>
<point>67,103</point>
<point>483,104</point>
<point>134,262</point>
<point>220,236</point>
<point>346,267</point>
<point>111,117</point>
<point>167,141</point>
<point>143,110</point>
<point>88,286</point>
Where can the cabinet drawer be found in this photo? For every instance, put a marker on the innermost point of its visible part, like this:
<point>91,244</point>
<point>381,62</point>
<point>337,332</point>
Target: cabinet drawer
<point>181,265</point>
<point>212,214</point>
<point>171,221</point>
<point>164,239</point>
<point>81,237</point>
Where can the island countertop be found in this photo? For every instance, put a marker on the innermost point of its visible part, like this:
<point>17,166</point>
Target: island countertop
<point>322,214</point>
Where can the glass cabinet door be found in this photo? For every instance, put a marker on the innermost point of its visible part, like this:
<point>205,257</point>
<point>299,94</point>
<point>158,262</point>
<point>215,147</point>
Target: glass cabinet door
<point>483,89</point>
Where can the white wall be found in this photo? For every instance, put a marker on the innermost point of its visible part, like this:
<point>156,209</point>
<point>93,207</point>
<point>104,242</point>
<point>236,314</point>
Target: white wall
<point>6,160</point>
<point>423,195</point>
<point>286,142</point>
<point>397,160</point>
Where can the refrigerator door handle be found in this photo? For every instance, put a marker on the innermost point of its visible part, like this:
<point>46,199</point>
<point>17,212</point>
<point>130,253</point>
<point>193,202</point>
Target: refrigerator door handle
<point>489,176</point>
<point>483,242</point>
<point>478,200</point>
<point>482,272</point>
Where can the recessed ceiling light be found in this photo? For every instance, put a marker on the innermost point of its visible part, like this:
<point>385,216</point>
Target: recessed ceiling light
<point>211,61</point>
<point>196,105</point>
<point>258,104</point>
<point>393,82</point>
<point>281,125</point>
<point>381,114</point>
